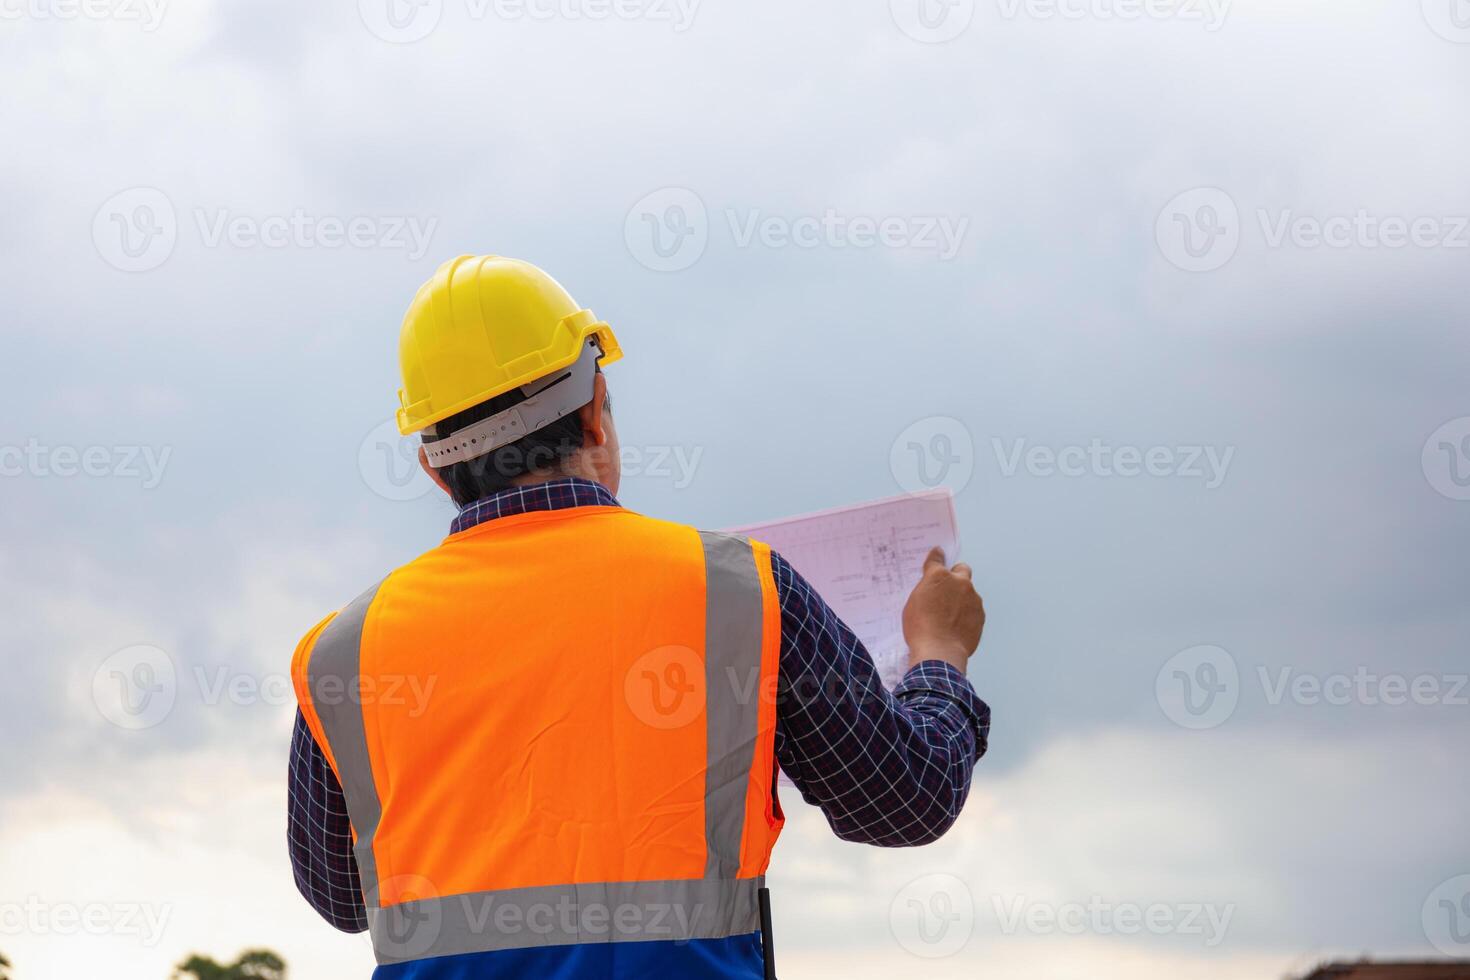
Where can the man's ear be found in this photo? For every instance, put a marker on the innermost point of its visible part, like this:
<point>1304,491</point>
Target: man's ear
<point>593,432</point>
<point>433,473</point>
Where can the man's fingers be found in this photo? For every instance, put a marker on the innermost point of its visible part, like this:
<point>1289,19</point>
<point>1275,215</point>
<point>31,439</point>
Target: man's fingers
<point>964,571</point>
<point>936,557</point>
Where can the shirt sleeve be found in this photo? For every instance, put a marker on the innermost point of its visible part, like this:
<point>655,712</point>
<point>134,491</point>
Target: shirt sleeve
<point>320,835</point>
<point>890,769</point>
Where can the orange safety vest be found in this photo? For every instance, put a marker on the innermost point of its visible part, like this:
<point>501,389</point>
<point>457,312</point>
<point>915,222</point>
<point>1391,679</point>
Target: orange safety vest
<point>555,735</point>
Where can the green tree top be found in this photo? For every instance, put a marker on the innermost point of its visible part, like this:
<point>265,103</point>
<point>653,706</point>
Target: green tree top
<point>255,964</point>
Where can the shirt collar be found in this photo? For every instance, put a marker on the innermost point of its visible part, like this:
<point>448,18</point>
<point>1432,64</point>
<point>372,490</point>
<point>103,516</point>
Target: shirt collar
<point>572,491</point>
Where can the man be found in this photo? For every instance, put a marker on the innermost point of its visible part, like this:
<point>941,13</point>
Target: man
<point>585,784</point>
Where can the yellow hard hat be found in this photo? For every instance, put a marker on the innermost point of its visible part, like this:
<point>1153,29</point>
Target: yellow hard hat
<point>482,326</point>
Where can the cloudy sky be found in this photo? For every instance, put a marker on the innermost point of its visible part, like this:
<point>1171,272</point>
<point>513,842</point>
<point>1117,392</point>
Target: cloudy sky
<point>1171,294</point>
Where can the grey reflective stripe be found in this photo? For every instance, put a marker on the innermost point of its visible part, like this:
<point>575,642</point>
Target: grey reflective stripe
<point>561,915</point>
<point>332,676</point>
<point>734,624</point>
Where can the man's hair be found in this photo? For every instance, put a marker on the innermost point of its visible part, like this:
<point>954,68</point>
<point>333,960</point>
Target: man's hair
<point>473,479</point>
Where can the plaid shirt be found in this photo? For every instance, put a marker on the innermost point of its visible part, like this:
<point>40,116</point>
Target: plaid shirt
<point>891,769</point>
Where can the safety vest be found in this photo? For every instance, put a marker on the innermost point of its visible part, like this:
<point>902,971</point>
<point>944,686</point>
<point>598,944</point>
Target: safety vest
<point>555,735</point>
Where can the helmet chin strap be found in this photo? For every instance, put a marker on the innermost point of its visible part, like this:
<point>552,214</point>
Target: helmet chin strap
<point>548,399</point>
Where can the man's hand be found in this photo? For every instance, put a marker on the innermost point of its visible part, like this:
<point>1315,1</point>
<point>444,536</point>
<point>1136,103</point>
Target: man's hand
<point>944,616</point>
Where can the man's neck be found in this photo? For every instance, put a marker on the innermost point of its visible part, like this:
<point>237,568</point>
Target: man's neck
<point>577,465</point>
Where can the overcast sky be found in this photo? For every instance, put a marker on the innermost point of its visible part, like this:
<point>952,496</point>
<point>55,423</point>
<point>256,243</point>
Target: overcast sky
<point>1172,295</point>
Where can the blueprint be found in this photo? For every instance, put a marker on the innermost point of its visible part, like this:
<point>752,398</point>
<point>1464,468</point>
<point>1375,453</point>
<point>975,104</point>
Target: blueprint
<point>865,560</point>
